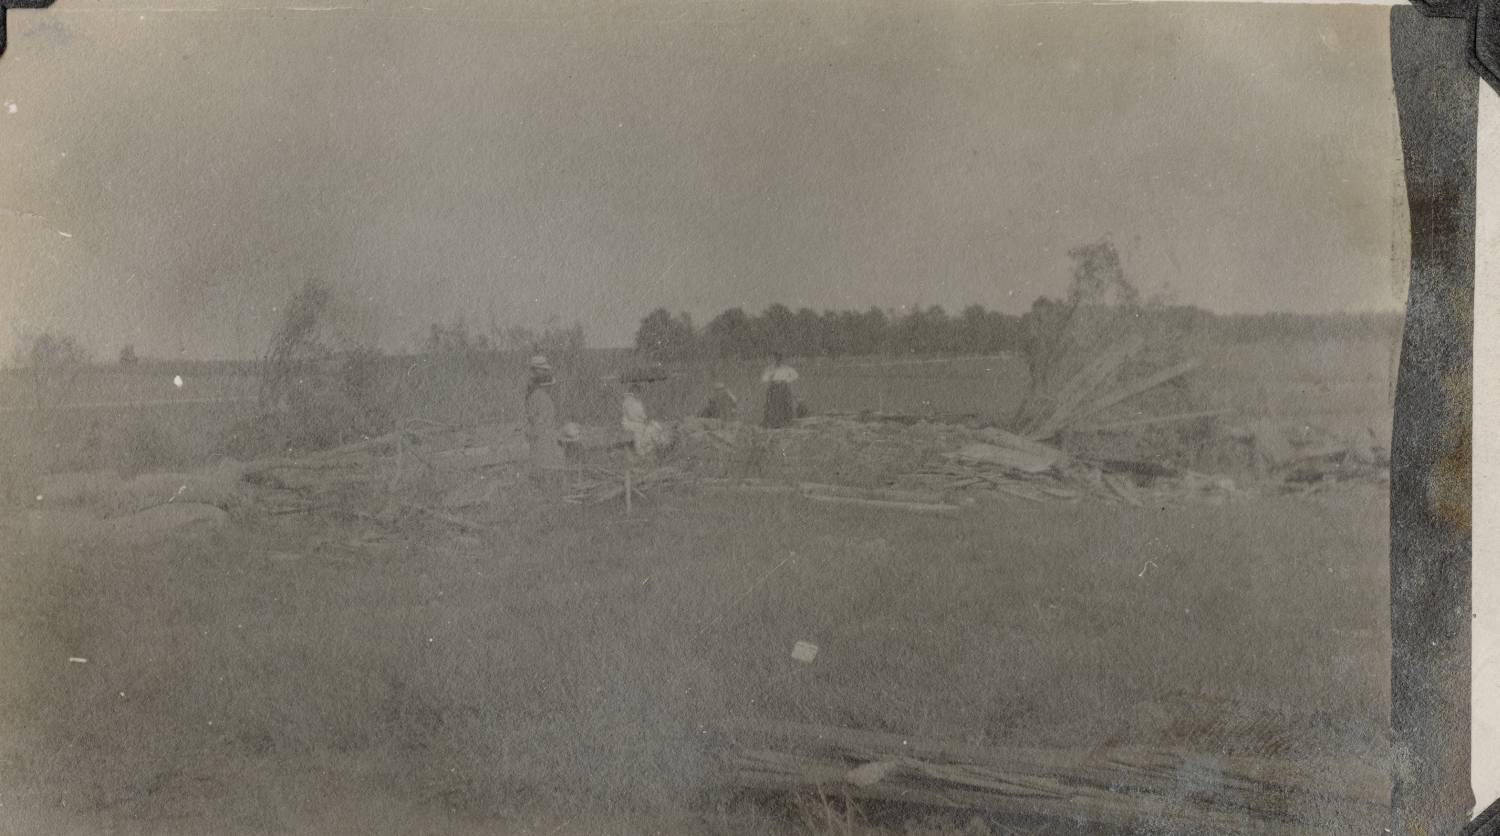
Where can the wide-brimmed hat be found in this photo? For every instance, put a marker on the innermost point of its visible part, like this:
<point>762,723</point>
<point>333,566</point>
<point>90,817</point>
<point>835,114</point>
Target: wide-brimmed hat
<point>539,362</point>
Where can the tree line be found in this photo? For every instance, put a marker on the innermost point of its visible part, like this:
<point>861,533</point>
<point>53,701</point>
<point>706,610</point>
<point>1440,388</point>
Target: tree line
<point>933,331</point>
<point>1098,281</point>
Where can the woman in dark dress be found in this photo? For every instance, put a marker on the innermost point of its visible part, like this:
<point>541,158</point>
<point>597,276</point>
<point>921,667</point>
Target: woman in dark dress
<point>781,407</point>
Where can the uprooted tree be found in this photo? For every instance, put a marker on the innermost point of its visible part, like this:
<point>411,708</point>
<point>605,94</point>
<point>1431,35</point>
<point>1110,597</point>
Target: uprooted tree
<point>317,385</point>
<point>297,347</point>
<point>1086,352</point>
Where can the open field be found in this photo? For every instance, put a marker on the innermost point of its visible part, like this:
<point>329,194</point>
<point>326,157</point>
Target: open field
<point>572,660</point>
<point>560,669</point>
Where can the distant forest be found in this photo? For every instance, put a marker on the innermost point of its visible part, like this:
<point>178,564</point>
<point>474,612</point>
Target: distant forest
<point>932,331</point>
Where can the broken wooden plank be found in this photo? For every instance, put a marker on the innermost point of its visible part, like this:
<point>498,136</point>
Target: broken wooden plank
<point>747,485</point>
<point>914,507</point>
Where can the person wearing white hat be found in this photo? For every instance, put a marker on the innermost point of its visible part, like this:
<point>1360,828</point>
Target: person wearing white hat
<point>541,424</point>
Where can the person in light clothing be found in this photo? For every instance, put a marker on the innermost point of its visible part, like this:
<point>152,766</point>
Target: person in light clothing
<point>644,432</point>
<point>546,463</point>
<point>781,407</point>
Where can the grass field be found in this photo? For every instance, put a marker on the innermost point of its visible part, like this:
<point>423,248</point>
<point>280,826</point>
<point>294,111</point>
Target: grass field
<point>569,664</point>
<point>556,675</point>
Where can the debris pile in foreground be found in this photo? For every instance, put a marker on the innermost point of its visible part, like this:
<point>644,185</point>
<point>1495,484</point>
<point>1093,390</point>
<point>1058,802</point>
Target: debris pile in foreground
<point>1125,789</point>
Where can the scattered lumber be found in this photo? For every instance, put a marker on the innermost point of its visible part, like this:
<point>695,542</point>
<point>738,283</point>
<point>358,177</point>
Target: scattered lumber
<point>1126,789</point>
<point>890,505</point>
<point>746,485</point>
<point>609,484</point>
<point>1155,419</point>
<point>875,465</point>
<point>1006,457</point>
<point>1001,438</point>
<point>1149,470</point>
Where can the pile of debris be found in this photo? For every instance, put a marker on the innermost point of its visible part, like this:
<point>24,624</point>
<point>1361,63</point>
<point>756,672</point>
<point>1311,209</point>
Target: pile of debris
<point>1029,470</point>
<point>948,459</point>
<point>815,449</point>
<point>1125,789</point>
<point>459,477</point>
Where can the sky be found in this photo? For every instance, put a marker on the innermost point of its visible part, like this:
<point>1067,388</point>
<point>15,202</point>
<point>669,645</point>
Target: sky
<point>169,175</point>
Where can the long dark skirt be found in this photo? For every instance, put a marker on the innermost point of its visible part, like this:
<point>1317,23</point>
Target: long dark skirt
<point>780,408</point>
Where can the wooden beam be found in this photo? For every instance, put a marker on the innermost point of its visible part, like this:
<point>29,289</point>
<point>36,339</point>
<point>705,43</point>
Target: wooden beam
<point>889,505</point>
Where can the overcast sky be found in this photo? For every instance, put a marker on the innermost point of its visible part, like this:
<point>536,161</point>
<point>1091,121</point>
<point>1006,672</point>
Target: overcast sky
<point>166,178</point>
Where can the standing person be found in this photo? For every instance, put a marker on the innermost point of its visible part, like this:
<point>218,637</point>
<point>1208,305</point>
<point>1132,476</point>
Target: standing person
<point>781,407</point>
<point>633,418</point>
<point>541,424</point>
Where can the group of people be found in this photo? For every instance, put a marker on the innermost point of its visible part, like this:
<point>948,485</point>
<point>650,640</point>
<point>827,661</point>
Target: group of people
<point>553,449</point>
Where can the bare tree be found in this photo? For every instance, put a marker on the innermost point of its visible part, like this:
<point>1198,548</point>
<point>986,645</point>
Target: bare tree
<point>55,360</point>
<point>297,345</point>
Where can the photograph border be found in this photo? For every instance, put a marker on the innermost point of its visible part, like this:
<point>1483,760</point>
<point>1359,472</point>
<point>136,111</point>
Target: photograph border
<point>1447,46</point>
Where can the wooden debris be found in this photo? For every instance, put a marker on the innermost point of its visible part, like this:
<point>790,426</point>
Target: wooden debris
<point>1001,438</point>
<point>1024,461</point>
<point>1123,789</point>
<point>1155,419</point>
<point>914,507</point>
<point>885,494</point>
<point>609,485</point>
<point>747,486</point>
